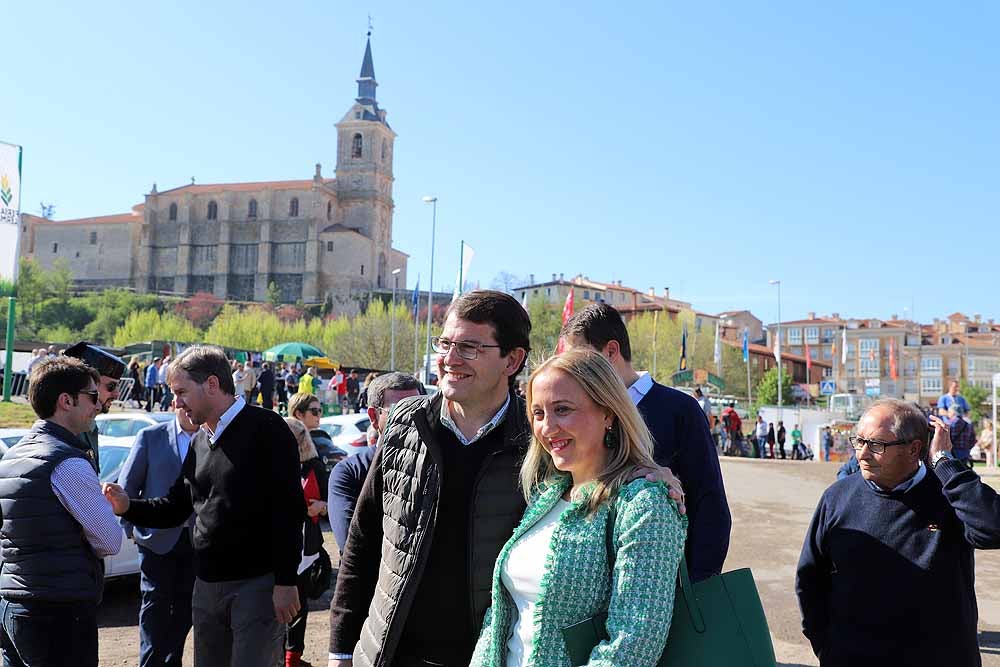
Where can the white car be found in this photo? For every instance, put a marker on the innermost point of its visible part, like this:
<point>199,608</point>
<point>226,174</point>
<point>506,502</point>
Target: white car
<point>125,424</point>
<point>10,436</point>
<point>348,432</point>
<point>113,452</point>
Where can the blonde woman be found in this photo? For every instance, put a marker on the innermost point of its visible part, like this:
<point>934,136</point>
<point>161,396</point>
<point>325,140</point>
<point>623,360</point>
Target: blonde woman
<point>588,442</point>
<point>314,488</point>
<point>985,443</point>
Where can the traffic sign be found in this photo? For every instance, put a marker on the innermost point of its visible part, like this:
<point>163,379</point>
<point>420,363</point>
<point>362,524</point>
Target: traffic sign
<point>827,387</point>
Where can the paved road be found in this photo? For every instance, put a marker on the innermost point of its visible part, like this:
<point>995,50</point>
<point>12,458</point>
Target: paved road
<point>771,501</point>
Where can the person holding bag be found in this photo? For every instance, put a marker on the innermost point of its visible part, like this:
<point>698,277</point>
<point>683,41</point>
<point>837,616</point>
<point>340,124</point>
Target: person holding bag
<point>583,506</point>
<point>314,488</point>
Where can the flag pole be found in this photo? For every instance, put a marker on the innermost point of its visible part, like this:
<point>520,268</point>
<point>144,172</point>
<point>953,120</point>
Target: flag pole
<point>461,261</point>
<point>9,362</point>
<point>655,319</point>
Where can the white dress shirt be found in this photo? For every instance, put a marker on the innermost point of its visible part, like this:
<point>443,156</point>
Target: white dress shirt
<point>227,417</point>
<point>640,387</point>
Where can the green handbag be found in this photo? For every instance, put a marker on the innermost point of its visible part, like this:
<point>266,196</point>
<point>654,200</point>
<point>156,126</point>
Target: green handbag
<point>719,621</point>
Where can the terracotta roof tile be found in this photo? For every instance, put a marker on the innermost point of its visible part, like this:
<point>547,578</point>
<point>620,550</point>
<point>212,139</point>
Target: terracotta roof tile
<point>206,188</point>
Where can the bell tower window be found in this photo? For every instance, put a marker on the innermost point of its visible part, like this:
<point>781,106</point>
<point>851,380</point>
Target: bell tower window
<point>252,209</point>
<point>213,210</point>
<point>356,146</point>
<point>293,208</point>
<point>172,215</point>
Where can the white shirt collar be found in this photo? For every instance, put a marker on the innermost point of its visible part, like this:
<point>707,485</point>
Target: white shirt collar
<point>483,430</point>
<point>227,417</point>
<point>640,387</point>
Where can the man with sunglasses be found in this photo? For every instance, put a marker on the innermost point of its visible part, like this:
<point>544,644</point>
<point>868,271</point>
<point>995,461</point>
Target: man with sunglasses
<point>111,369</point>
<point>887,571</point>
<point>56,525</point>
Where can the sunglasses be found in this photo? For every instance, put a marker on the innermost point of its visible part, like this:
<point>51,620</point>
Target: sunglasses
<point>92,394</point>
<point>316,412</point>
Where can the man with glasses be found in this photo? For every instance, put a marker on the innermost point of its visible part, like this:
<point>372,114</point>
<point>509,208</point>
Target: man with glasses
<point>886,574</point>
<point>111,369</point>
<point>348,476</point>
<point>56,525</point>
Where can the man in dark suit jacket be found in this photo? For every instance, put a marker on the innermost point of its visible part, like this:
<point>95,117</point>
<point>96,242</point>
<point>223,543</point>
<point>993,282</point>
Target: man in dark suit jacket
<point>166,558</point>
<point>683,441</point>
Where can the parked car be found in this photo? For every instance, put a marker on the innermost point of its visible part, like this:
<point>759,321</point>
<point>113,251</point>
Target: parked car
<point>329,453</point>
<point>125,424</point>
<point>10,436</point>
<point>113,452</point>
<point>348,432</point>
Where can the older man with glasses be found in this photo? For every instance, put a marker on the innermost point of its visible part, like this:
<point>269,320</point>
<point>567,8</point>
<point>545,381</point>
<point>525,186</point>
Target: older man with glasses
<point>886,574</point>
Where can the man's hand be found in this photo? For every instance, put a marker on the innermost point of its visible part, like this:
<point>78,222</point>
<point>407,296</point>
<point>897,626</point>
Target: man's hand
<point>663,475</point>
<point>941,442</point>
<point>286,603</point>
<point>117,497</point>
<point>316,507</point>
<point>334,662</point>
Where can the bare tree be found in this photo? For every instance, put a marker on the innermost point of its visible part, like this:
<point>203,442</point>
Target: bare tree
<point>507,282</point>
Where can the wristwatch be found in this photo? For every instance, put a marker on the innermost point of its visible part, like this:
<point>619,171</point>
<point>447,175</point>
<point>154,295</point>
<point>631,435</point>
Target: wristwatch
<point>939,456</point>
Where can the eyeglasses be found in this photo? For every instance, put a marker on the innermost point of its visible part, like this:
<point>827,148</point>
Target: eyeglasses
<point>466,349</point>
<point>92,394</point>
<point>315,412</point>
<point>874,446</point>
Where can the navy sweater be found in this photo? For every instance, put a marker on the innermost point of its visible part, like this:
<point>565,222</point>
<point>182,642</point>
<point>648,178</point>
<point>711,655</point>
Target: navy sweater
<point>888,577</point>
<point>683,443</point>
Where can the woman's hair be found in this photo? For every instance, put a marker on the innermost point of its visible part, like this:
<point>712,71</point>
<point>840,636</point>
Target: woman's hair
<point>299,403</point>
<point>307,448</point>
<point>602,385</point>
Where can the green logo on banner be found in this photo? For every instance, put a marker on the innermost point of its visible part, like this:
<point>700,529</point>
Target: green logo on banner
<point>5,192</point>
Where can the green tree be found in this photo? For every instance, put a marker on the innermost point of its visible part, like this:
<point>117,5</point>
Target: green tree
<point>59,281</point>
<point>111,308</point>
<point>766,392</point>
<point>546,322</point>
<point>977,398</point>
<point>30,287</point>
<point>273,294</point>
<point>152,325</point>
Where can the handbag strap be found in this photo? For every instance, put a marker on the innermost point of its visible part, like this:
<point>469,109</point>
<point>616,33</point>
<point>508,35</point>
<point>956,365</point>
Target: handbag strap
<point>683,576</point>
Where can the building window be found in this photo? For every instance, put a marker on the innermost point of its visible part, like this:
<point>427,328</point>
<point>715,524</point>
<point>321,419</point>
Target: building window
<point>869,348</point>
<point>586,295</point>
<point>931,364</point>
<point>362,269</point>
<point>869,368</point>
<point>827,335</point>
<point>55,247</point>
<point>293,208</point>
<point>93,238</point>
<point>356,146</point>
<point>931,385</point>
<point>172,215</point>
<point>794,336</point>
<point>329,210</point>
<point>548,291</point>
<point>812,335</point>
<point>213,210</point>
<point>329,246</point>
<point>252,209</point>
<point>385,149</point>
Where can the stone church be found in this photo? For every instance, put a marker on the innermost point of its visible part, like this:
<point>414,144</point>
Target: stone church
<point>313,238</point>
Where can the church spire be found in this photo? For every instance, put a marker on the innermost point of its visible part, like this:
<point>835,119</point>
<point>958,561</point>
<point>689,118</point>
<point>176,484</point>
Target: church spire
<point>366,82</point>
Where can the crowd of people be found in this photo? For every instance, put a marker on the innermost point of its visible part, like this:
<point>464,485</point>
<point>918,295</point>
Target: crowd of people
<point>477,526</point>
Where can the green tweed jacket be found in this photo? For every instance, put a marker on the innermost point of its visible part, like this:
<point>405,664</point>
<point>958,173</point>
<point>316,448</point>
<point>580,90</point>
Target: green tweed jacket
<point>649,536</point>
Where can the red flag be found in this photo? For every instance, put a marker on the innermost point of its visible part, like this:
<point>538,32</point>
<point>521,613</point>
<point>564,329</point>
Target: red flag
<point>566,314</point>
<point>893,372</point>
<point>809,364</point>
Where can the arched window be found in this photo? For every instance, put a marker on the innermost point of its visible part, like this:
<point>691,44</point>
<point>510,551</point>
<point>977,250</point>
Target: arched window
<point>385,149</point>
<point>252,209</point>
<point>329,210</point>
<point>356,146</point>
<point>293,208</point>
<point>173,212</point>
<point>213,210</point>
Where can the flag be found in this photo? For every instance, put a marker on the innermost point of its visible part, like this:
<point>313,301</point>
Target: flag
<point>809,363</point>
<point>717,356</point>
<point>893,371</point>
<point>777,348</point>
<point>524,301</point>
<point>843,345</point>
<point>10,208</point>
<point>682,363</point>
<point>566,314</point>
<point>463,270</point>
<point>416,297</point>
<point>746,346</point>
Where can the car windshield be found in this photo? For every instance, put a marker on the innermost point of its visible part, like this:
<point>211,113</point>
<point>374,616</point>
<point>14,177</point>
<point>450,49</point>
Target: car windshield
<point>10,440</point>
<point>333,429</point>
<point>162,416</point>
<point>112,459</point>
<point>363,424</point>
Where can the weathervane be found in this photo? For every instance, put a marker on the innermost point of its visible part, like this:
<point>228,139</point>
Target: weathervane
<point>369,25</point>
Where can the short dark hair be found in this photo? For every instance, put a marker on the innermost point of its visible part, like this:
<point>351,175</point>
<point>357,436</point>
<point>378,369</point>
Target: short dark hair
<point>52,377</point>
<point>598,324</point>
<point>203,361</point>
<point>390,382</point>
<point>509,320</point>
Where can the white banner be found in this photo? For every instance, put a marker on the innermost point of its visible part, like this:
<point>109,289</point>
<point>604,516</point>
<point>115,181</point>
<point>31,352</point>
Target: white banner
<point>10,208</point>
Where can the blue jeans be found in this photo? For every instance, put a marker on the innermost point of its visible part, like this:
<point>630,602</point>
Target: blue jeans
<point>762,446</point>
<point>166,582</point>
<point>48,634</point>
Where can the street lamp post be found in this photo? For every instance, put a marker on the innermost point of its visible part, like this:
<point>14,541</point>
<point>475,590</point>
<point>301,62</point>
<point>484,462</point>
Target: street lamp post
<point>780,377</point>
<point>430,290</point>
<point>392,326</point>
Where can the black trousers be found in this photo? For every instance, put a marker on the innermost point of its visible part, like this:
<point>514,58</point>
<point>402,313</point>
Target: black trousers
<point>295,640</point>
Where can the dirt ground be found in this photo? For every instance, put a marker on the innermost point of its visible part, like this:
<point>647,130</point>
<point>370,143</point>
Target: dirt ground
<point>771,501</point>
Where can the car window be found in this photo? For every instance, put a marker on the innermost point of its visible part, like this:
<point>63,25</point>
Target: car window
<point>112,459</point>
<point>115,427</point>
<point>333,429</point>
<point>137,425</point>
<point>12,440</point>
<point>363,424</point>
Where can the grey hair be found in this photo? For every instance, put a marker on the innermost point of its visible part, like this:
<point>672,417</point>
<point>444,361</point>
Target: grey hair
<point>908,421</point>
<point>390,382</point>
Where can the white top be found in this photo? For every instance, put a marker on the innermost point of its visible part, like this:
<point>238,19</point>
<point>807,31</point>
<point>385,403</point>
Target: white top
<point>640,387</point>
<point>227,416</point>
<point>522,577</point>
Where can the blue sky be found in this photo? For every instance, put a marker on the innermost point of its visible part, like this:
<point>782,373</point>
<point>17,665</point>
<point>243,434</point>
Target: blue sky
<point>851,152</point>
